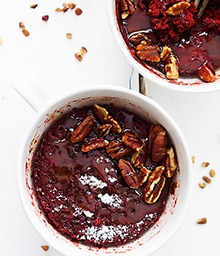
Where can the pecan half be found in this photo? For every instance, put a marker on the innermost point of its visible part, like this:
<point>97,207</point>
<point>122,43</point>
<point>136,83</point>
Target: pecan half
<point>137,38</point>
<point>155,185</point>
<point>148,52</point>
<point>157,142</point>
<point>103,115</point>
<point>131,140</point>
<point>170,163</point>
<point>144,174</point>
<point>154,196</point>
<point>139,158</point>
<point>177,8</point>
<point>117,150</point>
<point>83,129</point>
<point>103,130</point>
<point>153,179</point>
<point>94,144</point>
<point>129,174</point>
<point>127,8</point>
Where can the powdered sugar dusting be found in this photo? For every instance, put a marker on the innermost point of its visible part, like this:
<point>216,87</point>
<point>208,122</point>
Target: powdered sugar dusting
<point>112,200</point>
<point>92,181</point>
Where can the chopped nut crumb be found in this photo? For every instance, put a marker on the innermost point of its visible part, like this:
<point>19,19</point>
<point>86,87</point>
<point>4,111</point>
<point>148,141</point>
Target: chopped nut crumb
<point>33,6</point>
<point>45,247</point>
<point>58,9</point>
<point>65,9</point>
<point>71,5</point>
<point>212,173</point>
<point>78,11</point>
<point>45,17</point>
<point>202,185</point>
<point>21,24</point>
<point>69,36</point>
<point>205,164</point>
<point>79,55</point>
<point>23,29</point>
<point>207,179</point>
<point>193,159</point>
<point>25,32</point>
<point>201,220</point>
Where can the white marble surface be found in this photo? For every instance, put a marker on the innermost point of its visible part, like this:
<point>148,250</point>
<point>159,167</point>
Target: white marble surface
<point>49,55</point>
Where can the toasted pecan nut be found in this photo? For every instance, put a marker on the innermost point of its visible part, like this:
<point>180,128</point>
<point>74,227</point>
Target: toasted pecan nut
<point>148,52</point>
<point>127,8</point>
<point>139,158</point>
<point>83,129</point>
<point>165,53</point>
<point>117,150</point>
<point>153,179</point>
<point>131,140</point>
<point>154,196</point>
<point>94,144</point>
<point>172,68</point>
<point>144,174</point>
<point>206,74</point>
<point>129,174</point>
<point>137,38</point>
<point>170,163</point>
<point>177,8</point>
<point>103,130</point>
<point>103,116</point>
<point>157,142</point>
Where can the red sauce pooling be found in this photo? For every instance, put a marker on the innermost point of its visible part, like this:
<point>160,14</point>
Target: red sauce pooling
<point>194,41</point>
<point>83,195</point>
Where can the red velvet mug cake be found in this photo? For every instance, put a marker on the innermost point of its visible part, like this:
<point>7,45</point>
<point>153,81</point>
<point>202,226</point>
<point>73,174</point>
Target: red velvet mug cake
<point>106,171</point>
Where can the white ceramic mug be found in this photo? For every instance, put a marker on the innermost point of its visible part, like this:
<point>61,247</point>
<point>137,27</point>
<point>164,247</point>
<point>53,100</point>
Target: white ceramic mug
<point>177,203</point>
<point>154,79</point>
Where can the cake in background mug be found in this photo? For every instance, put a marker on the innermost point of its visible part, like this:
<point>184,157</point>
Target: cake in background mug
<point>176,41</point>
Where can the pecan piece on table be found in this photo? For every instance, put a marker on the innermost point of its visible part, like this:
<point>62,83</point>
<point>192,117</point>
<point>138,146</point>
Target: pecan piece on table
<point>129,174</point>
<point>154,178</point>
<point>157,142</point>
<point>94,144</point>
<point>83,129</point>
<point>117,150</point>
<point>170,163</point>
<point>127,8</point>
<point>131,140</point>
<point>103,116</point>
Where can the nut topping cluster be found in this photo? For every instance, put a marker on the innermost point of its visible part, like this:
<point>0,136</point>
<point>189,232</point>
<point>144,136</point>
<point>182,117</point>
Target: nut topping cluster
<point>150,52</point>
<point>130,152</point>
